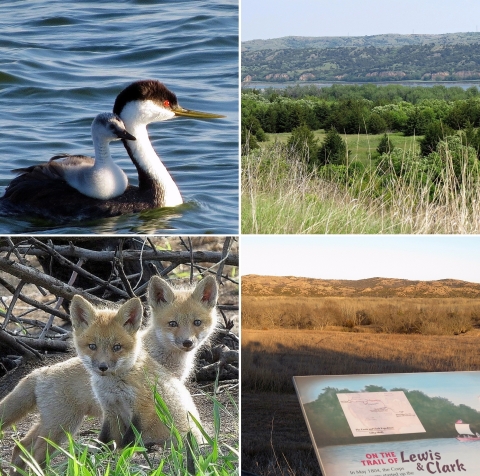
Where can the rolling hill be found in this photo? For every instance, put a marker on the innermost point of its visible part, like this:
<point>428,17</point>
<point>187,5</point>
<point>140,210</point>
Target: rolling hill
<point>449,57</point>
<point>255,285</point>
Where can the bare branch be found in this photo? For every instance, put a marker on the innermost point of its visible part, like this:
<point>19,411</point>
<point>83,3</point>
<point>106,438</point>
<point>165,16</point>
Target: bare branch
<point>19,347</point>
<point>55,286</point>
<point>34,302</point>
<point>177,257</point>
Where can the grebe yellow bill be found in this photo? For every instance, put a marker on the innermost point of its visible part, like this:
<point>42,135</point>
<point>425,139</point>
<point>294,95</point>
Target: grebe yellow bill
<point>139,104</point>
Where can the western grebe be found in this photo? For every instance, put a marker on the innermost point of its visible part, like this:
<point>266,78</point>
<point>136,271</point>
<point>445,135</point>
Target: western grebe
<point>138,105</point>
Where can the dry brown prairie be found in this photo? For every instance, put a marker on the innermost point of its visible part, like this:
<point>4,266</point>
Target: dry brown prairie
<point>405,315</point>
<point>270,358</point>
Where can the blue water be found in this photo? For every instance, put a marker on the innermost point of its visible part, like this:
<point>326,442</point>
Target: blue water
<point>413,84</point>
<point>62,63</point>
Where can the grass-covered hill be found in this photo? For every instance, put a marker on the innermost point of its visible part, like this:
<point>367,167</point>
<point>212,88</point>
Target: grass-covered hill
<point>379,41</point>
<point>254,285</point>
<point>450,57</point>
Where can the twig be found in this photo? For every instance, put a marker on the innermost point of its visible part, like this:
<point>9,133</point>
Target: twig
<point>19,347</point>
<point>191,259</point>
<point>55,286</point>
<point>121,272</point>
<point>36,323</point>
<point>178,257</point>
<point>59,302</point>
<point>34,302</point>
<point>227,244</point>
<point>55,345</point>
<point>12,303</point>
<point>65,262</point>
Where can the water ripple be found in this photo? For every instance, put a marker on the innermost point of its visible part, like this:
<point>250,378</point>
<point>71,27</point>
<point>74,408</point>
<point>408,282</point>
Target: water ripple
<point>61,63</point>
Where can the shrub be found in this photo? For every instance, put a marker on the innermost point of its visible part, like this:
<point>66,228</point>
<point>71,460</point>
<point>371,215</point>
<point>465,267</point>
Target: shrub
<point>436,131</point>
<point>303,142</point>
<point>333,149</point>
<point>385,145</point>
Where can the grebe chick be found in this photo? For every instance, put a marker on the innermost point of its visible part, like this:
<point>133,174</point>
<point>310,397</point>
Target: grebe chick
<point>139,104</point>
<point>98,177</point>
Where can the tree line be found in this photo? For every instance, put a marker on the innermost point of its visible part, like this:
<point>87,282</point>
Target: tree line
<point>428,112</point>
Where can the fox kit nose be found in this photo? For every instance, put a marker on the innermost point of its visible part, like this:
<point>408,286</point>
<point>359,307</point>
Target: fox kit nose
<point>187,343</point>
<point>103,367</point>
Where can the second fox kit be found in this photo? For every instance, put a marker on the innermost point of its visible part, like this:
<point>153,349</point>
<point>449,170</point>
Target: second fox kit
<point>122,375</point>
<point>62,392</point>
<point>180,322</point>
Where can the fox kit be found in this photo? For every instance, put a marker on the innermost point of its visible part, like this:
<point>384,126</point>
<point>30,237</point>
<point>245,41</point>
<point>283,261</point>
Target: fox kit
<point>180,322</point>
<point>62,392</point>
<point>122,375</point>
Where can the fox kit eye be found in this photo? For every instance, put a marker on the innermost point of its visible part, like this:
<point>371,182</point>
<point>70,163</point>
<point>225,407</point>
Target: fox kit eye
<point>173,324</point>
<point>117,347</point>
<point>92,346</point>
<point>197,322</point>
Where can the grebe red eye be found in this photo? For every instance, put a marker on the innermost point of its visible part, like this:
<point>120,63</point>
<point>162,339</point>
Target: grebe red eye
<point>166,103</point>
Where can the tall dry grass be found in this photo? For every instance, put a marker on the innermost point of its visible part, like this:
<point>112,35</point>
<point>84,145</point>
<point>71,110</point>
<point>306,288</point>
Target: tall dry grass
<point>280,195</point>
<point>427,316</point>
<point>271,358</point>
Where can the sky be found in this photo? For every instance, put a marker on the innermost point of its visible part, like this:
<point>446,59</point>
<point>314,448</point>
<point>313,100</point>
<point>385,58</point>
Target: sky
<point>263,19</point>
<point>412,257</point>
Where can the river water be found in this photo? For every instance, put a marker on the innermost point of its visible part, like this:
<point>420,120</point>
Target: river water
<point>320,84</point>
<point>62,63</point>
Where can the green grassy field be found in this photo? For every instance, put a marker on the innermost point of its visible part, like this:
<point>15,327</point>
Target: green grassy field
<point>281,194</point>
<point>361,146</point>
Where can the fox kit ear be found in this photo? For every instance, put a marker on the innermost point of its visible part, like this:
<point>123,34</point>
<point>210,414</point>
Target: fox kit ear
<point>82,313</point>
<point>206,291</point>
<point>159,292</point>
<point>130,315</point>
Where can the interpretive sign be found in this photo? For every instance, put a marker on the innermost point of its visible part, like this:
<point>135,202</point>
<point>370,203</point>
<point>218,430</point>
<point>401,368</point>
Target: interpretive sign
<point>394,424</point>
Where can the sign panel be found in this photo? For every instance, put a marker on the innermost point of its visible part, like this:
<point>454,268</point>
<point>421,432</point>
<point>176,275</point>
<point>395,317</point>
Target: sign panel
<point>394,424</point>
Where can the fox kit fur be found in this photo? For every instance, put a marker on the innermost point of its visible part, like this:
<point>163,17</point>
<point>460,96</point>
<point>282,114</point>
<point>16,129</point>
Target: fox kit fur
<point>180,322</point>
<point>62,392</point>
<point>122,375</point>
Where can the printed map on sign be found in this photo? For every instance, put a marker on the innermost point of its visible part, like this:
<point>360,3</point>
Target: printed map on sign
<point>379,413</point>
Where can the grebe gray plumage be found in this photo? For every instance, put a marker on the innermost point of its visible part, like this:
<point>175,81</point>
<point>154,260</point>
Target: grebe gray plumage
<point>137,105</point>
<point>100,177</point>
<point>97,177</point>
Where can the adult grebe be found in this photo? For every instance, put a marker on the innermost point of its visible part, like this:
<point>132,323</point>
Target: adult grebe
<point>137,105</point>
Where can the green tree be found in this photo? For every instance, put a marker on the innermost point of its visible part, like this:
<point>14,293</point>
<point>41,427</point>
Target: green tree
<point>303,142</point>
<point>385,145</point>
<point>252,133</point>
<point>458,157</point>
<point>333,149</point>
<point>471,137</point>
<point>376,124</point>
<point>435,132</point>
<point>418,121</point>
